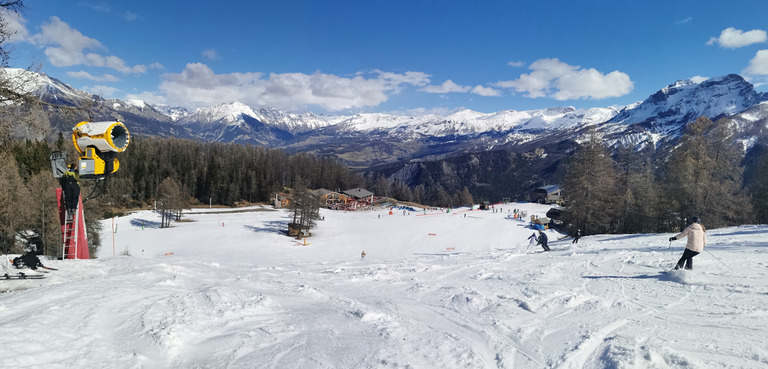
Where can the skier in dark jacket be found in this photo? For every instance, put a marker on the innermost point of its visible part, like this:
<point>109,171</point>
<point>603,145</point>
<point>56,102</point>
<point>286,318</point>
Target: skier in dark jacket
<point>29,260</point>
<point>577,236</point>
<point>70,185</point>
<point>543,240</point>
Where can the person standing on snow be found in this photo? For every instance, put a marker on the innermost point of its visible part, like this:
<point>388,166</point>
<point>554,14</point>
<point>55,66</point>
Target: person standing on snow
<point>697,238</point>
<point>533,239</point>
<point>543,240</point>
<point>577,236</point>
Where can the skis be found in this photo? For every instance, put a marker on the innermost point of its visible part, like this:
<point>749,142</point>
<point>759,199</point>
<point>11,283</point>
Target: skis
<point>22,276</point>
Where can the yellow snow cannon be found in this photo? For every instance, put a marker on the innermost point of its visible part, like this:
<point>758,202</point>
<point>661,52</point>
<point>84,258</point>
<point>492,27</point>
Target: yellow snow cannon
<point>98,143</point>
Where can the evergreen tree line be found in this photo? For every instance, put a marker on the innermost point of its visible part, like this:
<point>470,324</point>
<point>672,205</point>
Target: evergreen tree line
<point>217,173</point>
<point>166,174</point>
<point>629,193</point>
<point>433,194</point>
<point>29,217</point>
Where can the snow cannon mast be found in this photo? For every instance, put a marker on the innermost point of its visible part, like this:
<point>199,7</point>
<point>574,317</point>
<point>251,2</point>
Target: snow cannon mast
<point>98,144</point>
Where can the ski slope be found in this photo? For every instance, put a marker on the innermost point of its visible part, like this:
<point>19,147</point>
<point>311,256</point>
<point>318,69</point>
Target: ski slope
<point>435,290</point>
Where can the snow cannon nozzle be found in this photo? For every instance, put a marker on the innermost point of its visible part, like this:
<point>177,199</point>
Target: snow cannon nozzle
<point>104,136</point>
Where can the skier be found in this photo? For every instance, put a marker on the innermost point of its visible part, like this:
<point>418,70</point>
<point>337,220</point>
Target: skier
<point>71,188</point>
<point>29,260</point>
<point>533,239</point>
<point>697,238</point>
<point>577,236</point>
<point>543,240</point>
<point>362,255</point>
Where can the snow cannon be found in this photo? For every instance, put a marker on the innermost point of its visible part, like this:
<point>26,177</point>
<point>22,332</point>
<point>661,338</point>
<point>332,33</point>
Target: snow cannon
<point>98,144</point>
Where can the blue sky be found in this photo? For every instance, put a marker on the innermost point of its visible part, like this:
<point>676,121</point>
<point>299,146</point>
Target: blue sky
<point>390,56</point>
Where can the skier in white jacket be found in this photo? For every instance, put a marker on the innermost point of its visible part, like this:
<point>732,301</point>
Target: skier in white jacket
<point>697,238</point>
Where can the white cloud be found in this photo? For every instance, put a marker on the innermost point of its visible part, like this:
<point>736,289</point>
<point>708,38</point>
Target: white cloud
<point>683,21</point>
<point>394,80</point>
<point>99,7</point>
<point>198,85</point>
<point>516,64</point>
<point>558,80</point>
<point>15,24</point>
<point>210,54</point>
<point>148,97</point>
<point>758,64</point>
<point>447,87</point>
<point>156,66</point>
<point>698,79</point>
<point>485,91</point>
<point>106,77</point>
<point>733,38</point>
<point>103,91</point>
<point>129,16</point>
<point>66,47</point>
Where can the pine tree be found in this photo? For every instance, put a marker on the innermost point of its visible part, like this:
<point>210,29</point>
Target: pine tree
<point>15,204</point>
<point>590,189</point>
<point>757,183</point>
<point>704,175</point>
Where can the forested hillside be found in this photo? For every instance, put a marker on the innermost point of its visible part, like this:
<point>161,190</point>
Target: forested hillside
<point>203,173</point>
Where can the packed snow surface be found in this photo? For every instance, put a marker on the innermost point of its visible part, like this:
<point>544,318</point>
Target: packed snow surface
<point>435,290</point>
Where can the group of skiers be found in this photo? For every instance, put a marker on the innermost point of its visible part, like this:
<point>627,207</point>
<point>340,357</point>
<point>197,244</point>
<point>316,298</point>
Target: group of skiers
<point>695,232</point>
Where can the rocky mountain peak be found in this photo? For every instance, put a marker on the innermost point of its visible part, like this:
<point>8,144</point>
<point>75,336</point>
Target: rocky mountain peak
<point>673,106</point>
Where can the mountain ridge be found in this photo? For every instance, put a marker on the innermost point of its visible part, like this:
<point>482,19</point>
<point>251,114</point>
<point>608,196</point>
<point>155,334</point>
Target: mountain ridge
<point>366,140</point>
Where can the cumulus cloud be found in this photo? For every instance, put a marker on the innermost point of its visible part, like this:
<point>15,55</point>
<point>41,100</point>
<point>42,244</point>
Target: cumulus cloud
<point>198,85</point>
<point>734,38</point>
<point>758,64</point>
<point>446,87</point>
<point>561,81</point>
<point>15,25</point>
<point>449,86</point>
<point>106,77</point>
<point>485,91</point>
<point>66,47</point>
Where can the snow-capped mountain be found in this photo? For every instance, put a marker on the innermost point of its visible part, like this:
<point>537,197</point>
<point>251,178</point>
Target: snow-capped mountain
<point>686,100</point>
<point>365,140</point>
<point>48,88</point>
<point>174,112</point>
<point>237,122</point>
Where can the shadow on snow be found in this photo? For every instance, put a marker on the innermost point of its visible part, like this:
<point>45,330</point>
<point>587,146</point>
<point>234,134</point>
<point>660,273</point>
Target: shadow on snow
<point>275,226</point>
<point>659,276</point>
<point>144,223</point>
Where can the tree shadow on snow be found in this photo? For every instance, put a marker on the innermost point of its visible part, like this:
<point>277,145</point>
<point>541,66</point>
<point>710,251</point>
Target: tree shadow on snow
<point>274,226</point>
<point>144,223</point>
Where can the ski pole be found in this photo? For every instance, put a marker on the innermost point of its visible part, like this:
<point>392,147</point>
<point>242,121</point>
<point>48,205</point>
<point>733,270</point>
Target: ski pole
<point>718,259</point>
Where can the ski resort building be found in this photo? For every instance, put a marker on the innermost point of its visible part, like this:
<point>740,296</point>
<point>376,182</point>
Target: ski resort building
<point>359,198</point>
<point>548,195</point>
<point>332,199</point>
